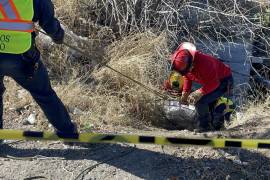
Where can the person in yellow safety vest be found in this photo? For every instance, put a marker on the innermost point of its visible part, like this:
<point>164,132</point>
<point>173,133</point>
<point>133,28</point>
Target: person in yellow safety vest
<point>20,59</point>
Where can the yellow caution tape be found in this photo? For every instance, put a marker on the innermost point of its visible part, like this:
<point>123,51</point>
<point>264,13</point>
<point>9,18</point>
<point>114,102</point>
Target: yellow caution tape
<point>134,139</point>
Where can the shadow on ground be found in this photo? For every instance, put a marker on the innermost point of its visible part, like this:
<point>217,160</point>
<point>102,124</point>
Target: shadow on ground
<point>149,164</point>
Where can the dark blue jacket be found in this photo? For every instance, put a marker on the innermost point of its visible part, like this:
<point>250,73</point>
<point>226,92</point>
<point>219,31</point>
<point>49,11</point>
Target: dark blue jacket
<point>44,15</point>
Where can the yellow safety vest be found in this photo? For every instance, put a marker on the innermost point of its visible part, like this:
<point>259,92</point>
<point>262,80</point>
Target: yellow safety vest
<point>16,26</point>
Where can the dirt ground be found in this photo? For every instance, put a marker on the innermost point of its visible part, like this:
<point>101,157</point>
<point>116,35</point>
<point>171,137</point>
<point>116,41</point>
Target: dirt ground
<point>54,160</point>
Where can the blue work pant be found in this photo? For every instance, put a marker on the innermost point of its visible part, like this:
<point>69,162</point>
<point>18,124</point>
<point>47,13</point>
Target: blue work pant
<point>40,88</point>
<point>202,106</point>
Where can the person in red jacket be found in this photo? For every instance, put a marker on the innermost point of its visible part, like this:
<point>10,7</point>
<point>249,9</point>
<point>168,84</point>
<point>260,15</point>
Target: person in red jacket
<point>214,76</point>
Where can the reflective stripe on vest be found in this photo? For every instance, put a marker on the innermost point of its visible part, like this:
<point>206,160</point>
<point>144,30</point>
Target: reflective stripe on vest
<point>16,25</point>
<point>9,9</point>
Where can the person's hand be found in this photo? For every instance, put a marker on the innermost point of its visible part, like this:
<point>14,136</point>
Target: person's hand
<point>184,98</point>
<point>59,39</point>
<point>194,97</point>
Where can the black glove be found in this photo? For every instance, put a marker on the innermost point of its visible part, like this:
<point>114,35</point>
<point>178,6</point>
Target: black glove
<point>59,37</point>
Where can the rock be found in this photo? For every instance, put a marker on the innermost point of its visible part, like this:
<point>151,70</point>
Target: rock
<point>181,116</point>
<point>30,120</point>
<point>77,111</point>
<point>232,158</point>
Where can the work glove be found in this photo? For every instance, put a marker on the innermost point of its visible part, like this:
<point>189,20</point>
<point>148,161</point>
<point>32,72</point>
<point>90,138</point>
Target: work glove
<point>184,98</point>
<point>194,97</point>
<point>59,37</point>
<point>166,85</point>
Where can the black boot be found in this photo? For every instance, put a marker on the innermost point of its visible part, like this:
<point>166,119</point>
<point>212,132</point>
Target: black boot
<point>218,123</point>
<point>203,125</point>
<point>70,135</point>
<point>218,117</point>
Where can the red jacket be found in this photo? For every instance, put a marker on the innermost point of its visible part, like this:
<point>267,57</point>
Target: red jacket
<point>207,71</point>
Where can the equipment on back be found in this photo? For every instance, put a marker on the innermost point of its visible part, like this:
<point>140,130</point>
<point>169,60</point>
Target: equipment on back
<point>16,26</point>
<point>174,83</point>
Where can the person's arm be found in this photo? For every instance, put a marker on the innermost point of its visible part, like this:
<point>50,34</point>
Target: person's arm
<point>207,73</point>
<point>166,85</point>
<point>194,97</point>
<point>187,85</point>
<point>47,21</point>
<point>186,90</point>
<point>209,87</point>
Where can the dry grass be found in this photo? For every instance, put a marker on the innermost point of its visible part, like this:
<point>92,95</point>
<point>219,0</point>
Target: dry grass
<point>66,11</point>
<point>142,57</point>
<point>254,111</point>
<point>252,121</point>
<point>98,96</point>
<point>104,97</point>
